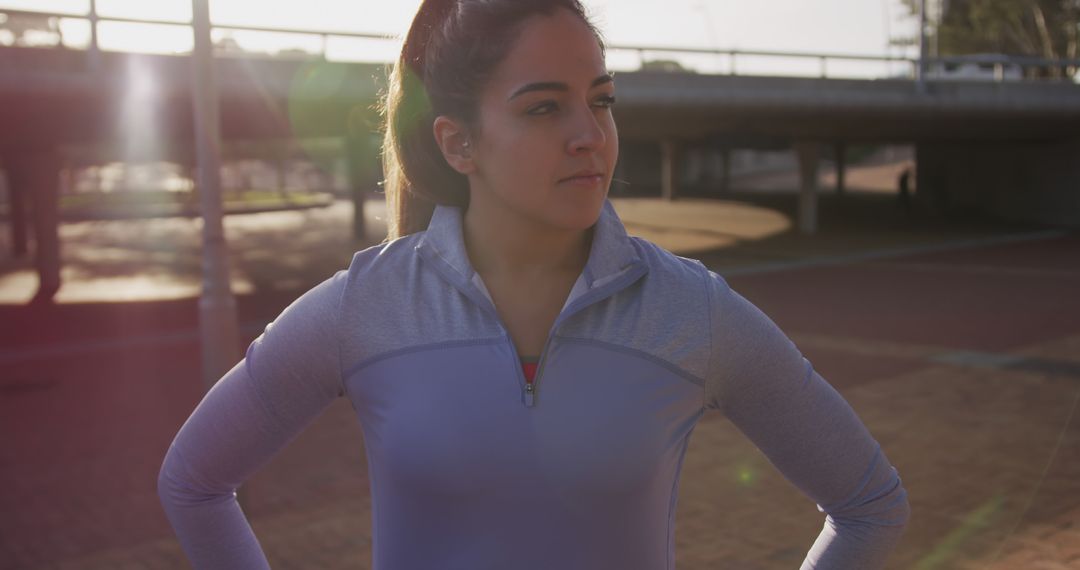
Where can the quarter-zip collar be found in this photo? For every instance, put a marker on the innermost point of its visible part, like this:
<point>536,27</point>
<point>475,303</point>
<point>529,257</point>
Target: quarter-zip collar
<point>611,253</point>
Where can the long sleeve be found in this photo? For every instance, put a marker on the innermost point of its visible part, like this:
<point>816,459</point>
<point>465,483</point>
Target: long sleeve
<point>770,392</point>
<point>289,375</point>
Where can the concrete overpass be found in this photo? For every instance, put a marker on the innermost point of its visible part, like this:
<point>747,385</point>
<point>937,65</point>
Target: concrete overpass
<point>693,106</point>
<point>51,95</point>
<point>1012,145</point>
<point>1010,149</point>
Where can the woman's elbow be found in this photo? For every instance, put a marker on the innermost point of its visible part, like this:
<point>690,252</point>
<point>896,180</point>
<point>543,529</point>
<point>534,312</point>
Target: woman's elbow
<point>904,511</point>
<point>178,487</point>
<point>888,509</point>
<point>896,510</point>
<point>170,489</point>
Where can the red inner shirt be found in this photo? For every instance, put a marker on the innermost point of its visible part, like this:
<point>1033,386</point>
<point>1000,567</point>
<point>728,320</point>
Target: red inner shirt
<point>530,370</point>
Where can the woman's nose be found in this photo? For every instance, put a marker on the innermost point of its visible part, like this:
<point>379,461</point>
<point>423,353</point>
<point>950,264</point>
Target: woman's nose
<point>588,134</point>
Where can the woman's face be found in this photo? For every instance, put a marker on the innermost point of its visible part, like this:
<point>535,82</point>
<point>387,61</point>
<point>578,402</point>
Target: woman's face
<point>545,118</point>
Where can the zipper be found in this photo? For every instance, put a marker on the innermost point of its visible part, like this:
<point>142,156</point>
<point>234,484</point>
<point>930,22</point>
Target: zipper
<point>528,396</point>
<point>596,292</point>
<point>528,389</point>
<point>528,393</point>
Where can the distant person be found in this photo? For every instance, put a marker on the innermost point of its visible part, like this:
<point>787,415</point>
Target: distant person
<point>904,197</point>
<point>527,376</point>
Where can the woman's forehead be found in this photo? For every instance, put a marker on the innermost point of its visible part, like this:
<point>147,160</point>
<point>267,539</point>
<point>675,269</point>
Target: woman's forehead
<point>559,48</point>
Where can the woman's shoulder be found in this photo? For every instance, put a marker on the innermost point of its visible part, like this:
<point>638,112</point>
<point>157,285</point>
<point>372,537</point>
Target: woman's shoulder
<point>683,277</point>
<point>667,265</point>
<point>387,255</point>
<point>379,262</point>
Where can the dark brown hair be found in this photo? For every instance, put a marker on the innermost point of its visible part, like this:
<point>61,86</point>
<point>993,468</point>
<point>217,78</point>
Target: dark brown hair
<point>449,53</point>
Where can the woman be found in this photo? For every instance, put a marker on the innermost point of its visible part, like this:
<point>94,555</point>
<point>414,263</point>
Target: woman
<point>527,376</point>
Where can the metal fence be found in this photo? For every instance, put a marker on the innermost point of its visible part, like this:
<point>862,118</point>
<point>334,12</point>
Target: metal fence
<point>998,68</point>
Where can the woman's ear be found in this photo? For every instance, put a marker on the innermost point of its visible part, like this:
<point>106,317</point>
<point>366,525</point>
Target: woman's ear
<point>453,141</point>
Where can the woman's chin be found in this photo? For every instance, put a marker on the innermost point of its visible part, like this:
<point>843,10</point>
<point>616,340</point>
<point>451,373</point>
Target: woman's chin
<point>581,213</point>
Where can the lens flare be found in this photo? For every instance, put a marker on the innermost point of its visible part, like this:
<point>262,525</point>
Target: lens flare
<point>973,522</point>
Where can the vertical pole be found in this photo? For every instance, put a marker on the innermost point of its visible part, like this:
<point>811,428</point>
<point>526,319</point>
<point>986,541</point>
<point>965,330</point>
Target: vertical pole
<point>725,170</point>
<point>920,70</point>
<point>938,14</point>
<point>217,307</point>
<point>669,171</point>
<point>94,54</point>
<point>841,166</point>
<point>808,171</point>
<point>361,175</point>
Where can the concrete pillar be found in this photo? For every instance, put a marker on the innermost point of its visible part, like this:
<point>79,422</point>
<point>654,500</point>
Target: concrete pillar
<point>17,213</point>
<point>808,153</point>
<point>725,170</point>
<point>691,159</point>
<point>669,171</point>
<point>932,177</point>
<point>841,166</point>
<point>37,174</point>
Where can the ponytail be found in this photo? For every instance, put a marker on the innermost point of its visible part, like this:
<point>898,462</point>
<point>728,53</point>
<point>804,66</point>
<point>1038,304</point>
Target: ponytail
<point>417,175</point>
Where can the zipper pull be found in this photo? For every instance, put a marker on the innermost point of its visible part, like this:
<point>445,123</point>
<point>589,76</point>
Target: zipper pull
<point>528,394</point>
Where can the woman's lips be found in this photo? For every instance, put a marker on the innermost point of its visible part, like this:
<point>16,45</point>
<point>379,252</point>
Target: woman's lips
<point>584,180</point>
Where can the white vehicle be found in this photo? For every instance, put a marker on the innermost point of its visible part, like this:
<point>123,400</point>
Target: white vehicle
<point>977,67</point>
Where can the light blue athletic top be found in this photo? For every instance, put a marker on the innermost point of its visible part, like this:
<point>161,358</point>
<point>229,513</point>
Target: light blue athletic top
<point>471,470</point>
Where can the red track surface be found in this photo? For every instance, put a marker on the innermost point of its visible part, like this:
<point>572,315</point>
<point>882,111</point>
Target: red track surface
<point>91,396</point>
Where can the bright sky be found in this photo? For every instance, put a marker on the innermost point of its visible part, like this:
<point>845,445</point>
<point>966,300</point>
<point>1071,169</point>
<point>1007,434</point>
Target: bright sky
<point>830,26</point>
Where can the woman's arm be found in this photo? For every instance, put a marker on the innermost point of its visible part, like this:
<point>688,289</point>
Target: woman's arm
<point>290,374</point>
<point>762,383</point>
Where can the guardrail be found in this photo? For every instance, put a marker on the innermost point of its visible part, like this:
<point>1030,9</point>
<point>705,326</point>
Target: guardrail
<point>936,68</point>
<point>933,68</point>
<point>732,56</point>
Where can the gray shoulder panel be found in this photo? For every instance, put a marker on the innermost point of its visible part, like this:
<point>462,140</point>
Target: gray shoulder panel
<point>392,302</point>
<point>664,314</point>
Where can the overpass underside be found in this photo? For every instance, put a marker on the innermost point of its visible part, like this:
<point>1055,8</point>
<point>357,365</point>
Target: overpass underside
<point>1010,150</point>
<point>1007,149</point>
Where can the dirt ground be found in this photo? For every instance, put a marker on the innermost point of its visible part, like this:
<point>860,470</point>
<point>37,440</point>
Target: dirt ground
<point>957,344</point>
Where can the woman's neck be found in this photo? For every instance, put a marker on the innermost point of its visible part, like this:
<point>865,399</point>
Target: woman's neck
<point>505,244</point>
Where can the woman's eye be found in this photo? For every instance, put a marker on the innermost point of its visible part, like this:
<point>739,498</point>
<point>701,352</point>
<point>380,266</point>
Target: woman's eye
<point>607,101</point>
<point>535,110</point>
<point>541,109</point>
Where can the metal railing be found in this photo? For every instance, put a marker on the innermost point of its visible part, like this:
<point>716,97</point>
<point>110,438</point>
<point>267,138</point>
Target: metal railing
<point>95,19</point>
<point>732,56</point>
<point>932,69</point>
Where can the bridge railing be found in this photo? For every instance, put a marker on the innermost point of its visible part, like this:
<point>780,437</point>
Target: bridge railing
<point>726,61</point>
<point>992,67</point>
<point>316,44</point>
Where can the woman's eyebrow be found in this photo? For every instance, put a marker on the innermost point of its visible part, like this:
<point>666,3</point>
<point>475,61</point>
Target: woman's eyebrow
<point>559,86</point>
